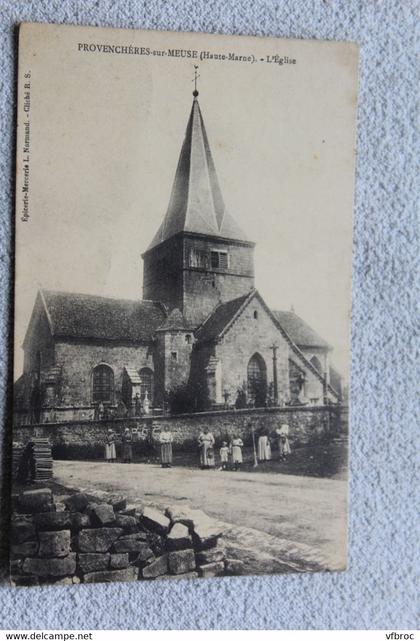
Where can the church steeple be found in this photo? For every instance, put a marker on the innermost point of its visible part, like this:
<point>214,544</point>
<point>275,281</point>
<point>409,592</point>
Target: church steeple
<point>196,204</point>
<point>199,256</point>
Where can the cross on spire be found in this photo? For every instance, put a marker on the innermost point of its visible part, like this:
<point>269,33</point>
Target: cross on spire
<point>196,204</point>
<point>196,77</point>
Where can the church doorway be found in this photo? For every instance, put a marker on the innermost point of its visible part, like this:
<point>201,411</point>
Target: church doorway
<point>257,380</point>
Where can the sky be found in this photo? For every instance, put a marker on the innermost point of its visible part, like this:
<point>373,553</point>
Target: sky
<point>106,132</point>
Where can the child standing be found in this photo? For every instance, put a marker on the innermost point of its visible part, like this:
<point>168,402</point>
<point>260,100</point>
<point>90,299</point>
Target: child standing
<point>224,456</point>
<point>284,445</point>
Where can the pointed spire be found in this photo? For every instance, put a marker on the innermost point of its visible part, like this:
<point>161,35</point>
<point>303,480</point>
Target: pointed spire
<point>196,203</point>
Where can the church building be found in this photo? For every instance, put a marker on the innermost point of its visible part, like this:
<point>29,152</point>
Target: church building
<point>202,331</point>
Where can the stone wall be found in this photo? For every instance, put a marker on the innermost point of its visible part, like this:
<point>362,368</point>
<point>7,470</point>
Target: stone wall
<point>79,539</point>
<point>86,439</point>
<point>162,273</point>
<point>77,361</point>
<point>168,275</point>
<point>205,288</point>
<point>72,394</point>
<point>177,359</point>
<point>249,335</point>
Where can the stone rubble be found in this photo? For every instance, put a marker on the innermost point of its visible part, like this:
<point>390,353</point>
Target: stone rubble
<point>99,538</point>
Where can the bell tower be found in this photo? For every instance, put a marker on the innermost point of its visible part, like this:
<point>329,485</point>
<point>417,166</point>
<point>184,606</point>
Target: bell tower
<point>199,256</point>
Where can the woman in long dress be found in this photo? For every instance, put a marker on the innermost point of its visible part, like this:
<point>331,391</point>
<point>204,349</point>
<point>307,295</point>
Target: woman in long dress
<point>268,449</point>
<point>127,440</point>
<point>264,448</point>
<point>284,445</point>
<point>166,448</point>
<point>110,451</point>
<point>236,449</point>
<point>206,444</point>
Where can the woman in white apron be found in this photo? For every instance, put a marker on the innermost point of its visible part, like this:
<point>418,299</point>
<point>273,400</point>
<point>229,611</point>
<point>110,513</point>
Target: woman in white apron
<point>110,451</point>
<point>264,448</point>
<point>166,448</point>
<point>236,449</point>
<point>206,444</point>
<point>284,445</point>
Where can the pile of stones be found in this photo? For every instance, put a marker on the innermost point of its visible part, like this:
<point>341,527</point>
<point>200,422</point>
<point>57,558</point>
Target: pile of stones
<point>82,540</point>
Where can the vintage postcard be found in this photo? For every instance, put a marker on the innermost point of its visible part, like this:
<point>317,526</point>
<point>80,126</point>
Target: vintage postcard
<point>183,270</point>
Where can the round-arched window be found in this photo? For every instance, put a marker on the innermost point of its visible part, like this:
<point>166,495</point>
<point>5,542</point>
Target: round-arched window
<point>102,384</point>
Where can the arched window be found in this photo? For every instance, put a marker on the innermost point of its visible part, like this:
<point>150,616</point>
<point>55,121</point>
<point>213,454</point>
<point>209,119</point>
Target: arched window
<point>317,364</point>
<point>147,384</point>
<point>257,380</point>
<point>102,384</point>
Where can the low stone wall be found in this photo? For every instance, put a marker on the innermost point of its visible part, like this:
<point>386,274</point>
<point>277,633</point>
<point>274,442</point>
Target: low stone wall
<point>86,541</point>
<point>86,439</point>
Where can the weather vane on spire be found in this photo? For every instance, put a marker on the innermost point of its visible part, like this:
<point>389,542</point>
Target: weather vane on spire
<point>196,77</point>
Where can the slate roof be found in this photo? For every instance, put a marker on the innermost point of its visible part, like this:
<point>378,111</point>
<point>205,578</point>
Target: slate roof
<point>222,315</point>
<point>133,375</point>
<point>296,328</point>
<point>299,331</point>
<point>175,320</point>
<point>196,203</point>
<point>96,317</point>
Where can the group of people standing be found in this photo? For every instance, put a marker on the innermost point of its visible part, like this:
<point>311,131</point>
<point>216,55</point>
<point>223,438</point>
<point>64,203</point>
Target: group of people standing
<point>126,437</point>
<point>230,453</point>
<point>127,446</point>
<point>265,439</point>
